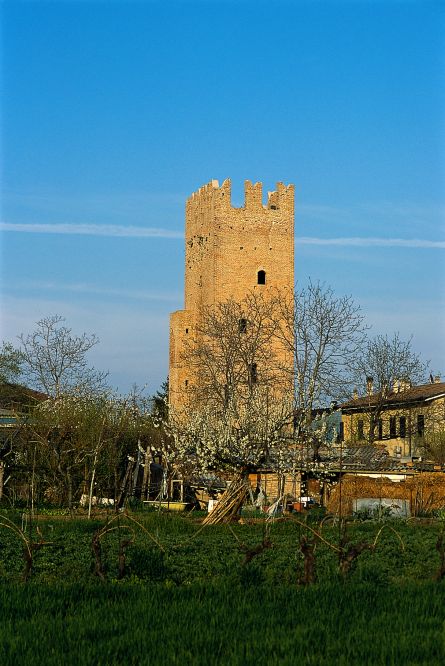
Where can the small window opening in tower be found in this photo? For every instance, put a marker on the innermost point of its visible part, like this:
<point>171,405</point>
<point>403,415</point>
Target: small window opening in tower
<point>273,207</point>
<point>242,325</point>
<point>261,277</point>
<point>186,382</point>
<point>186,330</point>
<point>253,373</point>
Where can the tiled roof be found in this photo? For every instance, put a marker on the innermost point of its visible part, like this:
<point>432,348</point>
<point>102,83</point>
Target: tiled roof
<point>411,395</point>
<point>15,395</point>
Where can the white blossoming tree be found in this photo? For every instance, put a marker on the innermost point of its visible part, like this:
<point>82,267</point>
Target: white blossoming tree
<point>239,408</point>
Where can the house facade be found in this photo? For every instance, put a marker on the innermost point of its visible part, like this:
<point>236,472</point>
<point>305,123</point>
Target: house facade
<point>406,420</point>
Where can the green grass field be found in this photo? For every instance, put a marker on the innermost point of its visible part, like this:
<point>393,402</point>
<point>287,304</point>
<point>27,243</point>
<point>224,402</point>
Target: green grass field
<point>187,597</point>
<point>222,624</point>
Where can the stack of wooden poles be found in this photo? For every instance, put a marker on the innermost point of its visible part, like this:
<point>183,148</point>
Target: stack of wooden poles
<point>228,507</point>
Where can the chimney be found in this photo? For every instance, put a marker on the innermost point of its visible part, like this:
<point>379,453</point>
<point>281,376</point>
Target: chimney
<point>355,394</point>
<point>401,385</point>
<point>437,379</point>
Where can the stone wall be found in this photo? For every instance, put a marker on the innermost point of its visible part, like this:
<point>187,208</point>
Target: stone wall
<point>226,247</point>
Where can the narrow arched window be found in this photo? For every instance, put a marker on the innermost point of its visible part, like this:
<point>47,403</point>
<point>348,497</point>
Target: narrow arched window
<point>261,277</point>
<point>242,325</point>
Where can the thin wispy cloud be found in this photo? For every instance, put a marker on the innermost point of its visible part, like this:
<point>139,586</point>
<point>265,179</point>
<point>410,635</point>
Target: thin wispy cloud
<point>386,209</point>
<point>110,230</point>
<point>373,242</point>
<point>96,290</point>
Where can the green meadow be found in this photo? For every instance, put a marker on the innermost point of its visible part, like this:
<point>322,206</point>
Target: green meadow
<point>164,590</point>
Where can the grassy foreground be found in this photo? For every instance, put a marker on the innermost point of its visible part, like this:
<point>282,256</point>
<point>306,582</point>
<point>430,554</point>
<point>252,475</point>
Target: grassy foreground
<point>222,624</point>
<point>188,596</point>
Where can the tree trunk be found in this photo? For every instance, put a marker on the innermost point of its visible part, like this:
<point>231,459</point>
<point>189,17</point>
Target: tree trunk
<point>69,488</point>
<point>135,474</point>
<point>126,480</point>
<point>2,473</point>
<point>146,479</point>
<point>90,495</point>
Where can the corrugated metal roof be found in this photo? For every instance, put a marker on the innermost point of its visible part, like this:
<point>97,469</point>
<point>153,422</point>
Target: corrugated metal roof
<point>364,458</point>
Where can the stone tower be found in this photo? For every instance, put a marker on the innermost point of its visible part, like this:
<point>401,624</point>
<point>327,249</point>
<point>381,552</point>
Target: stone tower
<point>230,252</point>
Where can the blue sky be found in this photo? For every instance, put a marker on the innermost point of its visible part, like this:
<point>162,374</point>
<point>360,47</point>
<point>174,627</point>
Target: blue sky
<point>114,112</point>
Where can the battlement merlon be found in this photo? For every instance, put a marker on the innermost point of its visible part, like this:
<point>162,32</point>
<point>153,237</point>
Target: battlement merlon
<point>212,194</point>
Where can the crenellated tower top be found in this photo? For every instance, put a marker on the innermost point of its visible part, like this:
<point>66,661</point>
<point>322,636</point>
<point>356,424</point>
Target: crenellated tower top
<point>214,195</point>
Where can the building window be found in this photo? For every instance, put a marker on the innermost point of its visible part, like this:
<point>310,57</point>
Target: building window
<point>380,428</point>
<point>341,432</point>
<point>186,383</point>
<point>392,427</point>
<point>186,330</point>
<point>420,425</point>
<point>253,374</point>
<point>402,426</point>
<point>242,325</point>
<point>360,429</point>
<point>261,277</point>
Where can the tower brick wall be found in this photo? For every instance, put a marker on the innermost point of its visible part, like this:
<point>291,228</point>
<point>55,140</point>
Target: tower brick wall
<point>226,248</point>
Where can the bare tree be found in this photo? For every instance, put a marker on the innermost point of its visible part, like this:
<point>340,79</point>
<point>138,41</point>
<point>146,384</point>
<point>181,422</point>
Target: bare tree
<point>59,440</point>
<point>76,444</point>
<point>384,366</point>
<point>323,333</point>
<point>54,359</point>
<point>10,363</point>
<point>432,445</point>
<point>235,351</point>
